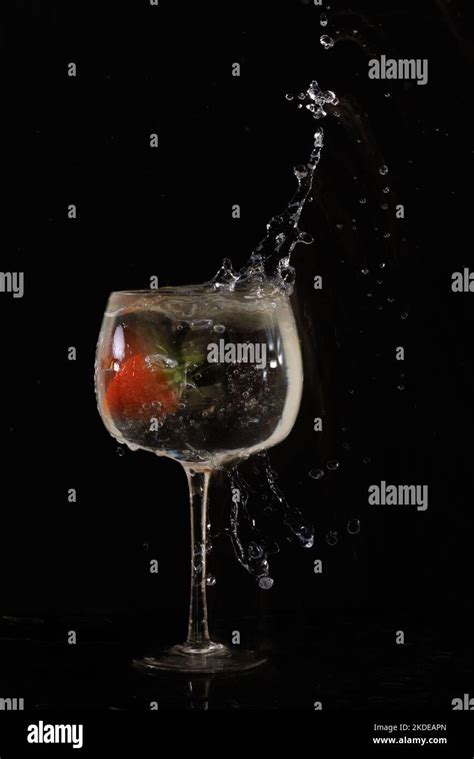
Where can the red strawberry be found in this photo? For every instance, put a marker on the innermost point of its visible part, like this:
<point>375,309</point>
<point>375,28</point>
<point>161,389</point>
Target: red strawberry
<point>137,384</point>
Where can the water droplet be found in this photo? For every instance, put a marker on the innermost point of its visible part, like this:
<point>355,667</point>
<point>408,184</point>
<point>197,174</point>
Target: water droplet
<point>245,394</point>
<point>326,41</point>
<point>210,580</point>
<point>323,19</point>
<point>353,526</point>
<point>391,300</point>
<point>386,190</point>
<point>289,96</point>
<point>332,537</point>
<point>120,451</point>
<point>387,235</point>
<point>382,265</point>
<point>383,170</point>
<point>404,315</point>
<point>198,376</point>
<point>363,201</point>
<point>205,414</point>
<point>366,460</point>
<point>401,387</point>
<point>316,474</point>
<point>219,328</point>
<point>388,95</point>
<point>301,171</point>
<point>332,465</point>
<point>255,550</point>
<point>265,582</point>
<point>180,327</point>
<point>364,271</point>
<point>305,238</point>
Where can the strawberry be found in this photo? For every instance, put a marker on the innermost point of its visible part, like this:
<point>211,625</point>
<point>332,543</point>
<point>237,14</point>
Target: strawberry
<point>137,384</point>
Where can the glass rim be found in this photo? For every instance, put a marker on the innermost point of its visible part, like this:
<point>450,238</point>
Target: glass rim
<point>171,289</point>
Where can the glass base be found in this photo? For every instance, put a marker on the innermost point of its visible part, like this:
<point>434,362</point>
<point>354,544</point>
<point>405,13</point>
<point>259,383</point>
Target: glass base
<point>213,658</point>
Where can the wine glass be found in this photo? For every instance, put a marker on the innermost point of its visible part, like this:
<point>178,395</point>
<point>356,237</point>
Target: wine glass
<point>205,376</point>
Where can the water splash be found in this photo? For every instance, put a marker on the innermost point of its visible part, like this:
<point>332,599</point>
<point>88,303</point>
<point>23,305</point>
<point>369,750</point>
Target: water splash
<point>270,264</point>
<point>270,260</point>
<point>262,504</point>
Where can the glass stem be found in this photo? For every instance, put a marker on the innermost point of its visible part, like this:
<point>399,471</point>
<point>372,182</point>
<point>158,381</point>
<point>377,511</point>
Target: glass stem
<point>198,640</point>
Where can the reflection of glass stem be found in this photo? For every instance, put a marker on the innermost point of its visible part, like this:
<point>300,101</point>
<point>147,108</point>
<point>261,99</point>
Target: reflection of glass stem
<point>199,691</point>
<point>198,640</point>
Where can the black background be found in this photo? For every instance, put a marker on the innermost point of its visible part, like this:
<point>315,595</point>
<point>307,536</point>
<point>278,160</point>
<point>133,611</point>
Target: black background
<point>167,212</point>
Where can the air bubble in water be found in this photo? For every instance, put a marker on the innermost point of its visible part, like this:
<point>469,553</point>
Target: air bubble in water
<point>265,582</point>
<point>326,41</point>
<point>383,170</point>
<point>353,526</point>
<point>366,460</point>
<point>218,328</point>
<point>386,190</point>
<point>306,238</point>
<point>364,271</point>
<point>120,451</point>
<point>323,19</point>
<point>404,315</point>
<point>289,96</point>
<point>316,474</point>
<point>332,537</point>
<point>363,201</point>
<point>333,465</point>
<point>210,580</point>
<point>201,324</point>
